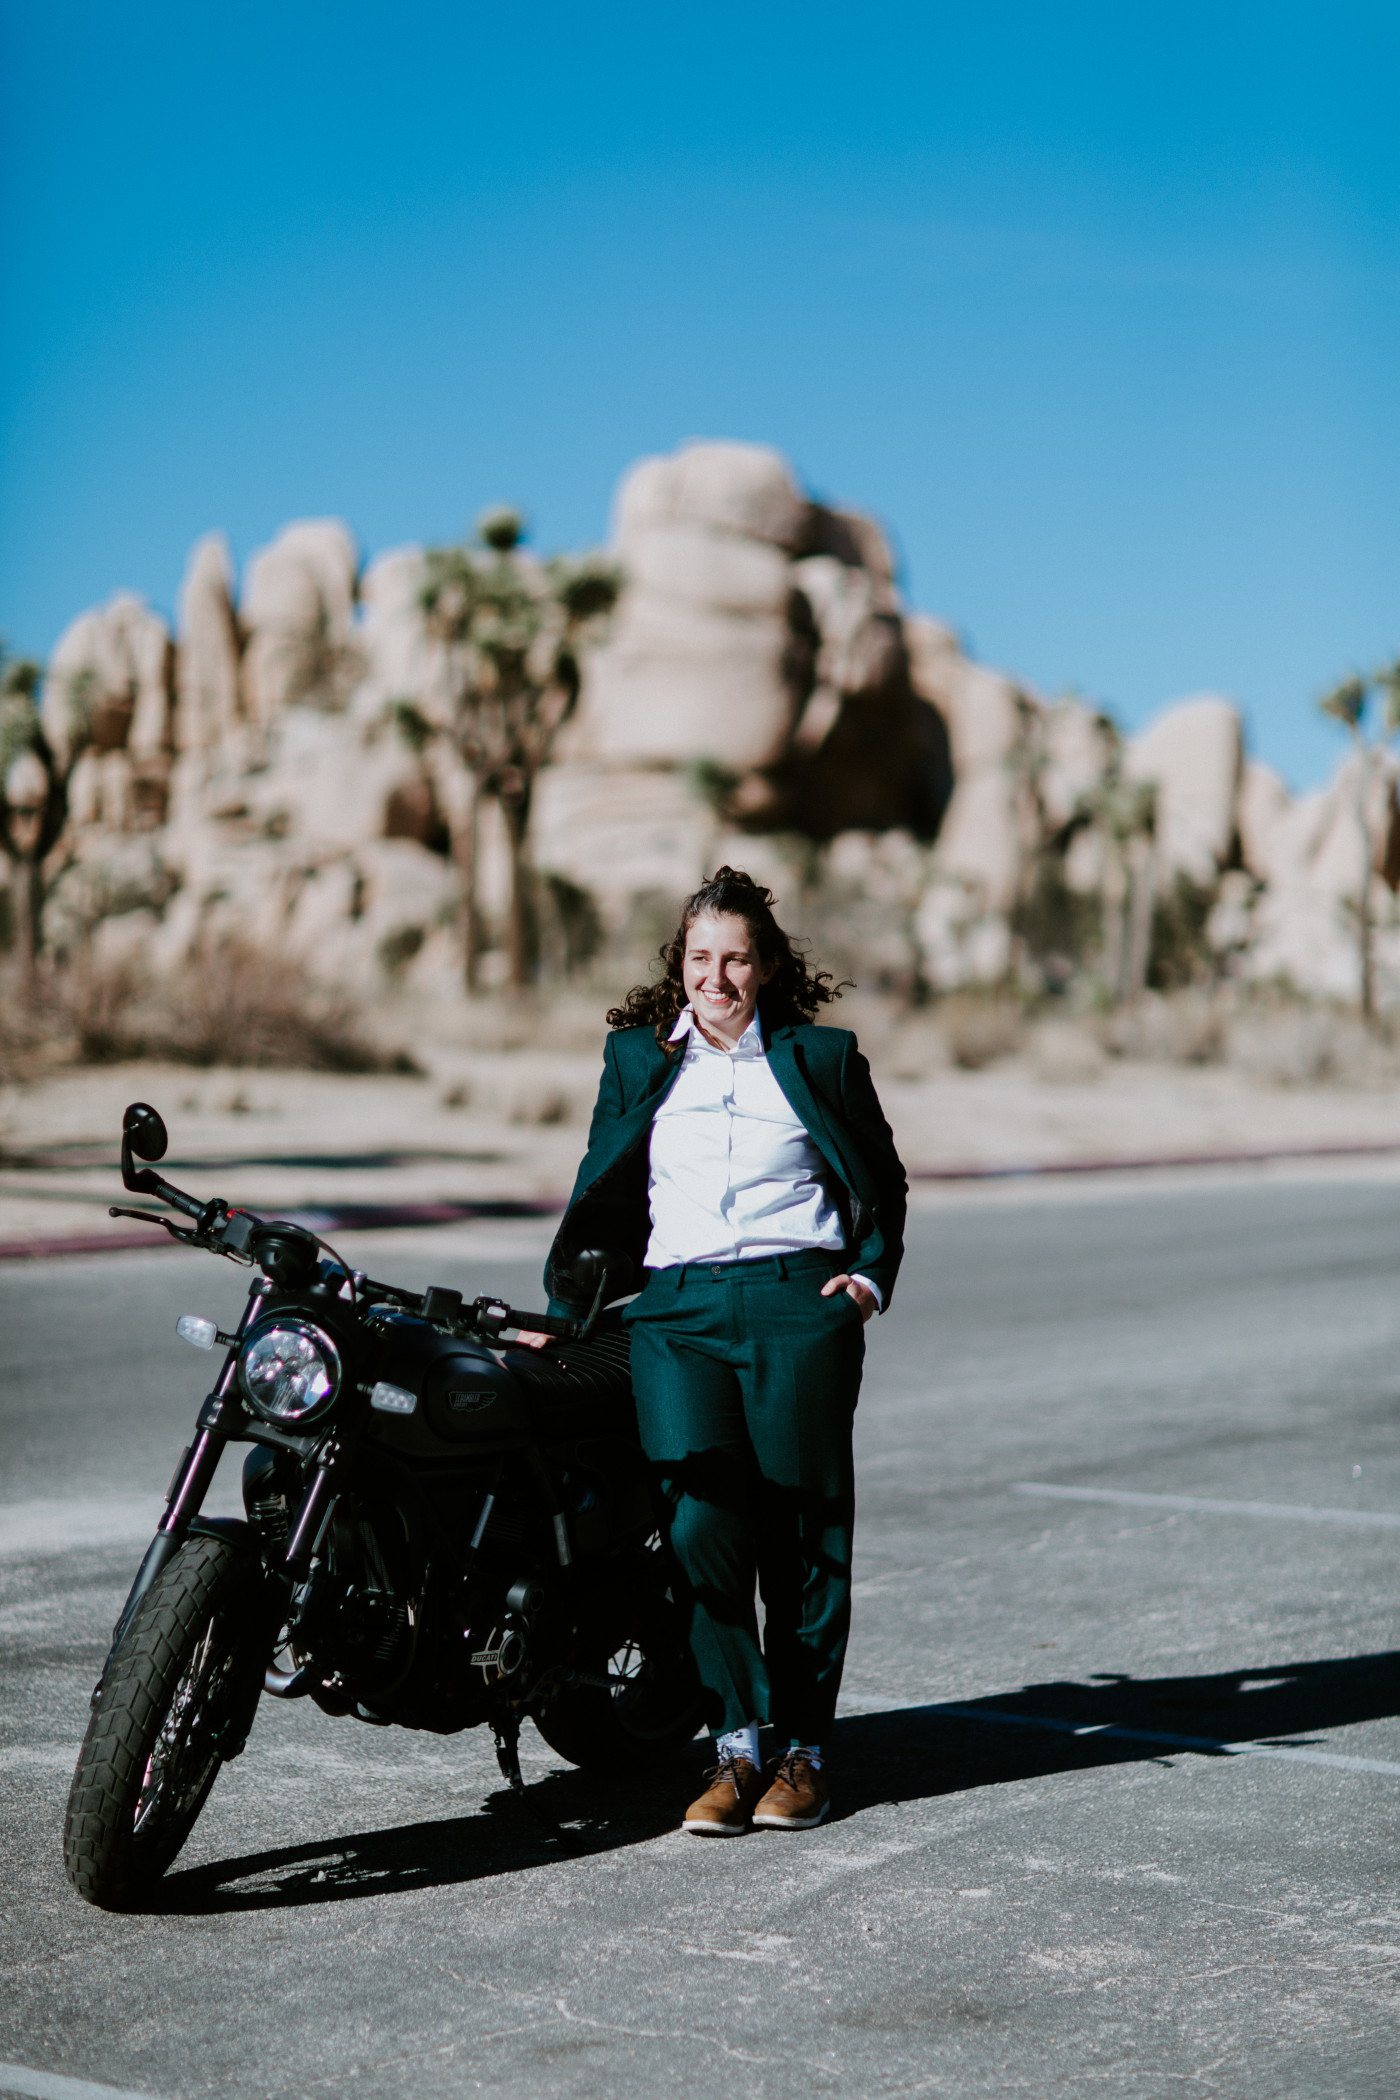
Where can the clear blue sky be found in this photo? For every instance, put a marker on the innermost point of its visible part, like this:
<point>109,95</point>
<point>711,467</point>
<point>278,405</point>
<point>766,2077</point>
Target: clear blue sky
<point>1095,305</point>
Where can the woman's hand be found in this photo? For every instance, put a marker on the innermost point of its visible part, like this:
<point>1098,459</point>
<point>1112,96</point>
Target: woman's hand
<point>865,1300</point>
<point>528,1339</point>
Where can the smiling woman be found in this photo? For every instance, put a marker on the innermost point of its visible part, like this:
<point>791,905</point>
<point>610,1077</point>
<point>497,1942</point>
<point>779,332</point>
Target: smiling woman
<point>739,1157</point>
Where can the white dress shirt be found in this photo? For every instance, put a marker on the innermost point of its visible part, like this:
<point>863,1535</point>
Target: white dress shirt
<point>734,1174</point>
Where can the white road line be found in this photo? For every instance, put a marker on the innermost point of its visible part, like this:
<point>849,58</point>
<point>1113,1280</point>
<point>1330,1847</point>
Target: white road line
<point>1299,1513</point>
<point>47,2085</point>
<point>1212,1745</point>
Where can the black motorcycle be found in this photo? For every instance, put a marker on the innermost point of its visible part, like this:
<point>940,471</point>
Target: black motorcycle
<point>441,1531</point>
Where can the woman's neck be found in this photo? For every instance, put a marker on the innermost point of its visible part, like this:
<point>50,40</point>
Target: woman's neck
<point>715,1039</point>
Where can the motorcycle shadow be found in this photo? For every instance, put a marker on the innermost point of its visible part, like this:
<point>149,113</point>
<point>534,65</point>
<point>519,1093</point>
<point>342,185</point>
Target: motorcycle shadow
<point>915,1753</point>
<point>905,1754</point>
<point>567,1815</point>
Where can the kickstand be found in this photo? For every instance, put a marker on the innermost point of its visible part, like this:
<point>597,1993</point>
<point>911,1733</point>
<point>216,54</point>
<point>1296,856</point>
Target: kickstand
<point>507,1734</point>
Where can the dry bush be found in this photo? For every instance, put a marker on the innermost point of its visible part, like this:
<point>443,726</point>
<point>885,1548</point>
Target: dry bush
<point>29,1038</point>
<point>1296,1045</point>
<point>913,1048</point>
<point>235,1005</point>
<point>1066,1053</point>
<point>980,1029</point>
<point>241,1005</point>
<point>1179,1028</point>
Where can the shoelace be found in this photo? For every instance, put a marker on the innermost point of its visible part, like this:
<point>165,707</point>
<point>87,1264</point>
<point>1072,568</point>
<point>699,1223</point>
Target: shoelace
<point>728,1769</point>
<point>787,1765</point>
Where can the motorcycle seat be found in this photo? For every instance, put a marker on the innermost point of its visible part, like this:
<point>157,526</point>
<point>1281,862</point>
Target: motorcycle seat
<point>575,1386</point>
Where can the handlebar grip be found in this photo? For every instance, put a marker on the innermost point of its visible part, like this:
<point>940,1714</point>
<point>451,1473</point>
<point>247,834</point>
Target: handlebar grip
<point>500,1315</point>
<point>542,1323</point>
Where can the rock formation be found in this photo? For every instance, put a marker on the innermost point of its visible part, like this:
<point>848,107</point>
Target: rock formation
<point>761,684</point>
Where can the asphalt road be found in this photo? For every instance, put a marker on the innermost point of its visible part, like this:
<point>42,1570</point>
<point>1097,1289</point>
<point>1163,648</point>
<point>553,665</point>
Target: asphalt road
<point>1045,1875</point>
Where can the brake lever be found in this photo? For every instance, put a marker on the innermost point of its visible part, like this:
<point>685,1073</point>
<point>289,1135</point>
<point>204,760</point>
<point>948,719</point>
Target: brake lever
<point>154,1217</point>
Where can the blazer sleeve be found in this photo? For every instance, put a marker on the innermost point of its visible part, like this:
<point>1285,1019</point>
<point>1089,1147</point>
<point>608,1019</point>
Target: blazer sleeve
<point>609,1105</point>
<point>866,1121</point>
<point>607,1110</point>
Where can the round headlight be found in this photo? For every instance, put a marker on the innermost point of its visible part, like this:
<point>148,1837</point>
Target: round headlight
<point>290,1372</point>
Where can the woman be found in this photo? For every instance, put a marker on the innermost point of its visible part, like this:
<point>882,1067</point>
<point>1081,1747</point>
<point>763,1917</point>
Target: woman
<point>739,1157</point>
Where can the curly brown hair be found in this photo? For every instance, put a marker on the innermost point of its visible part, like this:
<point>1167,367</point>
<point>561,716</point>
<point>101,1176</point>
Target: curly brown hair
<point>793,993</point>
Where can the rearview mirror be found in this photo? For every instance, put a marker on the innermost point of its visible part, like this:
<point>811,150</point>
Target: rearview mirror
<point>144,1131</point>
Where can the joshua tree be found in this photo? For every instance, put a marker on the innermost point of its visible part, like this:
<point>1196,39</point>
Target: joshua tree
<point>1125,813</point>
<point>33,789</point>
<point>512,629</point>
<point>1348,703</point>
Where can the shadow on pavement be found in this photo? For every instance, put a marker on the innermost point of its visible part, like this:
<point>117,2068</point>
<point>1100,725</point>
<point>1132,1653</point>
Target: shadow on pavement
<point>591,1811</point>
<point>907,1754</point>
<point>912,1753</point>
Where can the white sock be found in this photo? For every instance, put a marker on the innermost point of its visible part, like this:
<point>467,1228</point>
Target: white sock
<point>811,1751</point>
<point>740,1742</point>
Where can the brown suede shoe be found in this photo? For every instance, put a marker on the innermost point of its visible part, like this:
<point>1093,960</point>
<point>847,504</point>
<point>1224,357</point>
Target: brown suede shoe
<point>798,1798</point>
<point>725,1808</point>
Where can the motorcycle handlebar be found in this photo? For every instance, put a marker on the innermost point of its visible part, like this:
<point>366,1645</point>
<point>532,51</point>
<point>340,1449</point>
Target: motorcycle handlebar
<point>491,1314</point>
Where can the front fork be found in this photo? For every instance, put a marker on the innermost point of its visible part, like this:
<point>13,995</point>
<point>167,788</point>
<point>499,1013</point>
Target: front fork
<point>219,1417</point>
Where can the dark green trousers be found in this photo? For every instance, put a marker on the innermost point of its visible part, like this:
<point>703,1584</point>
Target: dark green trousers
<point>746,1381</point>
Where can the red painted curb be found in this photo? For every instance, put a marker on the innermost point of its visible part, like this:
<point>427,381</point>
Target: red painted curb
<point>387,1217</point>
<point>347,1217</point>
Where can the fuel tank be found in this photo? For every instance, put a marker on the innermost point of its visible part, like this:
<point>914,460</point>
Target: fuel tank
<point>468,1394</point>
<point>465,1394</point>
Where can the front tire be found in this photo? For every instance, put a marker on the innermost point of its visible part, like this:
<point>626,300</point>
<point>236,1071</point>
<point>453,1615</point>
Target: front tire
<point>179,1700</point>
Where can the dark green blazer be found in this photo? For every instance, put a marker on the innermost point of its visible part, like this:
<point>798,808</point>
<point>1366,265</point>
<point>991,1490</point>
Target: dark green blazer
<point>827,1082</point>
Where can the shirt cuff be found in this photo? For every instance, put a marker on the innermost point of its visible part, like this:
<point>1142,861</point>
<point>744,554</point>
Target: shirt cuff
<point>874,1289</point>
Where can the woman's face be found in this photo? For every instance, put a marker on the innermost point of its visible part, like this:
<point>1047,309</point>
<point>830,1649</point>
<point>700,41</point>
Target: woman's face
<point>723,974</point>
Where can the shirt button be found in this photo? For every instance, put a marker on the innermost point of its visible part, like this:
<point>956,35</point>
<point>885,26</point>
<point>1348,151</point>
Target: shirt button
<point>717,1273</point>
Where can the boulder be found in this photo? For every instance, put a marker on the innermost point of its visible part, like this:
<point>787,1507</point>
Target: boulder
<point>743,490</point>
<point>208,701</point>
<point>1077,744</point>
<point>298,609</point>
<point>1311,853</point>
<point>401,661</point>
<point>1194,752</point>
<point>111,672</point>
<point>982,840</point>
<point>1262,813</point>
<point>860,645</point>
<point>111,682</point>
<point>623,833</point>
<point>700,663</point>
<point>857,542</point>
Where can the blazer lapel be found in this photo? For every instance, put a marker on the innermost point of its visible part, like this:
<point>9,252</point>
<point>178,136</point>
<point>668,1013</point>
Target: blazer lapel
<point>789,1068</point>
<point>631,1127</point>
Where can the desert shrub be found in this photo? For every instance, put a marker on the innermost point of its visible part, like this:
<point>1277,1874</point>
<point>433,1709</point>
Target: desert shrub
<point>236,1004</point>
<point>242,1005</point>
<point>29,1037</point>
<point>980,1028</point>
<point>1181,1028</point>
<point>1180,953</point>
<point>1059,928</point>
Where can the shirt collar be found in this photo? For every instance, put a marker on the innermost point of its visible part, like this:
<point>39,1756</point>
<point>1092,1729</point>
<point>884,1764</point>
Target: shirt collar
<point>750,1043</point>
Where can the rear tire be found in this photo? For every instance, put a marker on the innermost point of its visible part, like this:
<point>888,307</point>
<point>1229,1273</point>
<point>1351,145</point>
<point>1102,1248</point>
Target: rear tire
<point>654,1709</point>
<point>179,1700</point>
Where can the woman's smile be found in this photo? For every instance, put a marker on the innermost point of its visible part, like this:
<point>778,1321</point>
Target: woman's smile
<point>723,974</point>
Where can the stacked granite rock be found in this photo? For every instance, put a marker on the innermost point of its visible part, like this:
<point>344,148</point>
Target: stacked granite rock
<point>761,684</point>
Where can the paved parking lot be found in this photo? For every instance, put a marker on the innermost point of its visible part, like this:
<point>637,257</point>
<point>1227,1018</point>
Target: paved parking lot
<point>1118,1773</point>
